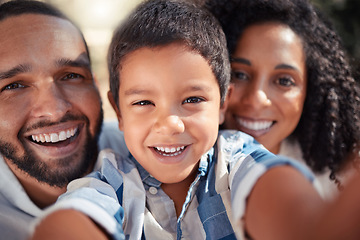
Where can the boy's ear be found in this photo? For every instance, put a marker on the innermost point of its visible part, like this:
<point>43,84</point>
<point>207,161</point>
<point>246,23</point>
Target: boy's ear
<point>116,109</point>
<point>225,104</point>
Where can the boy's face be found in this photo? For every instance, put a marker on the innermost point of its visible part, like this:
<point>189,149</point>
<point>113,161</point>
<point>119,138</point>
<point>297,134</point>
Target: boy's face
<point>169,110</point>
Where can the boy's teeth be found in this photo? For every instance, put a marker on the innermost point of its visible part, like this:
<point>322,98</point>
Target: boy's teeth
<point>54,137</point>
<point>170,151</point>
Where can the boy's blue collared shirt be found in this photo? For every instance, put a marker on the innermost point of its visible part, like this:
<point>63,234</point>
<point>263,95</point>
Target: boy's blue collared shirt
<point>130,204</point>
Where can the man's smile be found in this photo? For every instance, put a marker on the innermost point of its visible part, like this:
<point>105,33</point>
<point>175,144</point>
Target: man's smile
<point>55,136</point>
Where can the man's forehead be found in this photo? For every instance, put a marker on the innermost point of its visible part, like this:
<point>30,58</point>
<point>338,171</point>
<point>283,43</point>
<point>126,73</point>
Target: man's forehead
<point>31,37</point>
<point>34,23</point>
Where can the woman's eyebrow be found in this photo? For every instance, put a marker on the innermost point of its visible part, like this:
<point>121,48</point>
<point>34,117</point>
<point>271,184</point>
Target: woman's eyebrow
<point>286,66</point>
<point>240,60</point>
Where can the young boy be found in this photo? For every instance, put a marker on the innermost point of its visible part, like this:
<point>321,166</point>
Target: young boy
<point>169,73</point>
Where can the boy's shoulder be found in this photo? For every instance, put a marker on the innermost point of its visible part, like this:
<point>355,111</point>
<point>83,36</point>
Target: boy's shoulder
<point>233,142</point>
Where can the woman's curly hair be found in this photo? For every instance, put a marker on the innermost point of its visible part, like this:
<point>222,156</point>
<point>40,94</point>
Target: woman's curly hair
<point>328,129</point>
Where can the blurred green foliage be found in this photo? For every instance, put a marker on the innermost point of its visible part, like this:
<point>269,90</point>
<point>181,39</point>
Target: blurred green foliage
<point>345,15</point>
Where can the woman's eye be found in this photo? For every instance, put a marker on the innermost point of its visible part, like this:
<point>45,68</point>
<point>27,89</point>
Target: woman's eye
<point>238,75</point>
<point>143,103</point>
<point>193,100</point>
<point>286,81</point>
<point>13,86</point>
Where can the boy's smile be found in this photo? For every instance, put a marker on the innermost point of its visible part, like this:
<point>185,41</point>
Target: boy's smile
<point>169,103</point>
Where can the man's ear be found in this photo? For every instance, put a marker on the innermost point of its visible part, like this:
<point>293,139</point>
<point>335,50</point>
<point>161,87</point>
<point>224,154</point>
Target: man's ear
<point>223,107</point>
<point>116,109</point>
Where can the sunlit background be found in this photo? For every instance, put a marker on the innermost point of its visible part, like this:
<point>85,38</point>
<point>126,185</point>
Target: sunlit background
<point>98,18</point>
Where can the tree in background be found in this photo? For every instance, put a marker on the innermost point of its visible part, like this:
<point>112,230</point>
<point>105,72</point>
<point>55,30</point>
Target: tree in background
<point>345,15</point>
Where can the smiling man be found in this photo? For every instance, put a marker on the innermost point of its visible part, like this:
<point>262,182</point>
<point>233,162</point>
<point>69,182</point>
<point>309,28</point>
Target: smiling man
<point>50,111</point>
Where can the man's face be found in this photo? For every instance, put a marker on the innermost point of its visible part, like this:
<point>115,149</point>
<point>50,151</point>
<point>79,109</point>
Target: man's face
<point>50,108</point>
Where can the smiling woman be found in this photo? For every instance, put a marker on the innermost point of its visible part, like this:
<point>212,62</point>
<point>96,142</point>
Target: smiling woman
<point>269,84</point>
<point>292,86</point>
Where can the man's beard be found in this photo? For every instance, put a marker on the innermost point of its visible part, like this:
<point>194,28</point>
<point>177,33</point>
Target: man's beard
<point>57,172</point>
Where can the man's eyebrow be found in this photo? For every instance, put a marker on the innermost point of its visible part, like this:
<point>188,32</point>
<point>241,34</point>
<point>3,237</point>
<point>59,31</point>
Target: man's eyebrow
<point>287,66</point>
<point>81,61</point>
<point>21,68</point>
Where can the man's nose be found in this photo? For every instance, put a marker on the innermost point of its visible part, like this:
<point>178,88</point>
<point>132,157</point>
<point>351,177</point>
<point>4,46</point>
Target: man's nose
<point>51,103</point>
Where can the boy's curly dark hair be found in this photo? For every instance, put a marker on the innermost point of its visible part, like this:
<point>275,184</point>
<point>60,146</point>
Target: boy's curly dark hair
<point>328,129</point>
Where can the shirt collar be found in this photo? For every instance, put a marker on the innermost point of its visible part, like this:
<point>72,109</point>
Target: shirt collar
<point>150,181</point>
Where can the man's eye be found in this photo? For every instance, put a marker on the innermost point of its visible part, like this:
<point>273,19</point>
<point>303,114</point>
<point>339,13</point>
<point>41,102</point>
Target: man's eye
<point>72,76</point>
<point>193,100</point>
<point>13,86</point>
<point>238,75</point>
<point>143,103</point>
<point>286,81</point>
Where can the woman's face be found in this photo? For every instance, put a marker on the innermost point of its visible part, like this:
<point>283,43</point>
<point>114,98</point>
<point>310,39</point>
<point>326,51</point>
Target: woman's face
<point>268,84</point>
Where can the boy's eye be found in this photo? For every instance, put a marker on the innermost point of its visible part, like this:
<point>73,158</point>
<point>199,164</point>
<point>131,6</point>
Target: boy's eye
<point>239,75</point>
<point>285,81</point>
<point>13,86</point>
<point>193,100</point>
<point>72,76</point>
<point>143,103</point>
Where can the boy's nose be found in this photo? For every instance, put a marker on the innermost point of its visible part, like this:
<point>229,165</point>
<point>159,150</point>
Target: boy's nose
<point>169,125</point>
<point>51,103</point>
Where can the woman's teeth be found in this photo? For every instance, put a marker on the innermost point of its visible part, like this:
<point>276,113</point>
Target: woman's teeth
<point>255,125</point>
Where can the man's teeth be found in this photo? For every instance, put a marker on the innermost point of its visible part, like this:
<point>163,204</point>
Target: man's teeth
<point>54,137</point>
<point>170,152</point>
<point>255,125</point>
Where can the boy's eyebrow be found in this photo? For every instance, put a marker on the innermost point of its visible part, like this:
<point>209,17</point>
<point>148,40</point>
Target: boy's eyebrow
<point>201,87</point>
<point>136,91</point>
<point>21,68</point>
<point>192,88</point>
<point>240,60</point>
<point>81,61</point>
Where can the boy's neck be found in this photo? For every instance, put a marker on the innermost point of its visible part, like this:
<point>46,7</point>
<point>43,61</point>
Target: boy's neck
<point>178,191</point>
